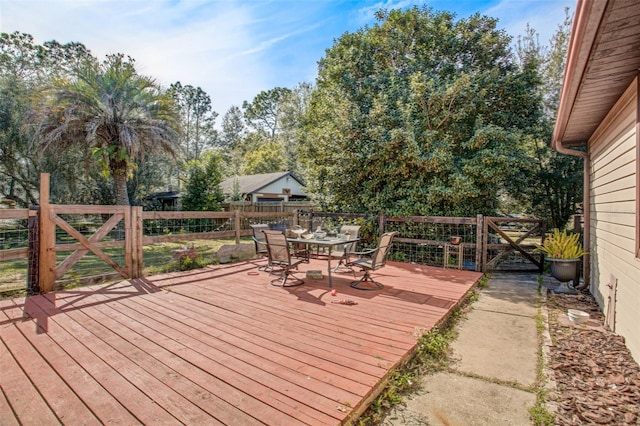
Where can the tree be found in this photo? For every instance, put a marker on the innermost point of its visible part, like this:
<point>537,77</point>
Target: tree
<point>198,119</point>
<point>24,68</point>
<point>417,115</point>
<point>233,128</point>
<point>294,107</point>
<point>233,132</point>
<point>202,189</point>
<point>264,112</point>
<point>550,186</point>
<point>110,108</point>
<point>268,158</point>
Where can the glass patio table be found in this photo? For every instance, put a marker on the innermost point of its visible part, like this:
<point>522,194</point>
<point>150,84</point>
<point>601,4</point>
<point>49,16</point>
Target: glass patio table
<point>328,242</point>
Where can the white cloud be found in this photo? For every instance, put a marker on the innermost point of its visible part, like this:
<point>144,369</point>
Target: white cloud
<point>195,42</point>
<point>544,16</point>
<point>234,49</point>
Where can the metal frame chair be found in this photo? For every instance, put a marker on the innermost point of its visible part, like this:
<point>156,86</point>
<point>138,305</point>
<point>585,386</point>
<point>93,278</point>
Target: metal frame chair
<point>372,260</point>
<point>344,252</point>
<point>261,244</point>
<point>280,256</point>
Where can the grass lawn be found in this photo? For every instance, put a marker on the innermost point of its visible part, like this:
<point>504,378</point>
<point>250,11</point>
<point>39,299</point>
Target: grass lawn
<point>158,258</point>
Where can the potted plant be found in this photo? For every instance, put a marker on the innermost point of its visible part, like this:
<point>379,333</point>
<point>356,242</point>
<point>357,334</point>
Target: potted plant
<point>563,251</point>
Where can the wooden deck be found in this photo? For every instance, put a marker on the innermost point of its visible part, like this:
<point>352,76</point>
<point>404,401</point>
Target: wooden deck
<point>214,346</point>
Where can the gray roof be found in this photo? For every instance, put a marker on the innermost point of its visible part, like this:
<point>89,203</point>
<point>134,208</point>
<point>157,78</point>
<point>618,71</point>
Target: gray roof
<point>254,183</point>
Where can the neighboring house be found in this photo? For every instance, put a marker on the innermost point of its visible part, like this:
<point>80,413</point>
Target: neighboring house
<point>599,113</point>
<point>280,186</point>
<point>169,200</point>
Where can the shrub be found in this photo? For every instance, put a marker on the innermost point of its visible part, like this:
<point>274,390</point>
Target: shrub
<point>562,245</point>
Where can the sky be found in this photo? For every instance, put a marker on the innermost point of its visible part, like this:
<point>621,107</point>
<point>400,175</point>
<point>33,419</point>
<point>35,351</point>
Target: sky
<point>234,50</point>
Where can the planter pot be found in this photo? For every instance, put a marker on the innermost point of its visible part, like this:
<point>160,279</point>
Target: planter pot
<point>563,270</point>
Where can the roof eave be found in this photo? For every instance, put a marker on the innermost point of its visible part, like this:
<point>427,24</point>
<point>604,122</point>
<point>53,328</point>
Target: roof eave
<point>583,35</point>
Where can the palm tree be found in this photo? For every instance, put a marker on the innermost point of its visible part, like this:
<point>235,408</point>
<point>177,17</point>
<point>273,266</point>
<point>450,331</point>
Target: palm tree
<point>115,112</point>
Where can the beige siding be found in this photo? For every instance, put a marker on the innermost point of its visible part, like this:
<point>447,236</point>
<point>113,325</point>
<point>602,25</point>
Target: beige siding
<point>613,195</point>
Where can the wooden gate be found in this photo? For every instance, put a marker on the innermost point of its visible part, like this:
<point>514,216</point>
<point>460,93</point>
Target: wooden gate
<point>509,244</point>
<point>50,271</point>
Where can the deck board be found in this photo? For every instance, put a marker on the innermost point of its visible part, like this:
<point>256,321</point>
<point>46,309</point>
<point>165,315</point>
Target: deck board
<point>218,345</point>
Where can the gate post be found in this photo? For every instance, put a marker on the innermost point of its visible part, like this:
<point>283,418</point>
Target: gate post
<point>382,222</point>
<point>485,238</point>
<point>480,260</point>
<point>237,225</point>
<point>133,237</point>
<point>47,260</point>
<point>33,277</point>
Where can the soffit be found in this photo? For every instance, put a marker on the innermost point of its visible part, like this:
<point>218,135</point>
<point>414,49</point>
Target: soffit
<point>601,64</point>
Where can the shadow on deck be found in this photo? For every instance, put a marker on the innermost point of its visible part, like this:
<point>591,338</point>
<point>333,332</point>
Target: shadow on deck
<point>215,346</point>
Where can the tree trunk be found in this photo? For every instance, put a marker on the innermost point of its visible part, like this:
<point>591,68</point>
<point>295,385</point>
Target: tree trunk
<point>120,187</point>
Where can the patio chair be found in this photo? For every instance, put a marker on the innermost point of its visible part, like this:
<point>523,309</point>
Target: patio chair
<point>299,249</point>
<point>280,256</point>
<point>372,260</point>
<point>344,251</point>
<point>260,243</point>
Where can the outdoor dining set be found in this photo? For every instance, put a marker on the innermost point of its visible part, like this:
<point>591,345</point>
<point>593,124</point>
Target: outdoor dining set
<point>286,249</point>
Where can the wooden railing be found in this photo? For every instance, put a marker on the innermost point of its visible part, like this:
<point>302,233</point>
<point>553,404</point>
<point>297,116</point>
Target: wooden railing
<point>421,239</point>
<point>15,214</point>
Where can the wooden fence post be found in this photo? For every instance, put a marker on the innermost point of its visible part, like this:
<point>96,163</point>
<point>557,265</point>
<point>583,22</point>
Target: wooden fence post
<point>237,226</point>
<point>133,251</point>
<point>129,242</point>
<point>139,230</point>
<point>485,239</point>
<point>47,258</point>
<point>33,278</point>
<point>480,259</point>
<point>382,222</point>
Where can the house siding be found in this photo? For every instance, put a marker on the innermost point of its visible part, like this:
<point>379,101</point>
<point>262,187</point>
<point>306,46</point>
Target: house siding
<point>277,186</point>
<point>275,189</point>
<point>613,193</point>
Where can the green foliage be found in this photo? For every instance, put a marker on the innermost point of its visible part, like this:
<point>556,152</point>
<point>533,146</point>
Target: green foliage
<point>562,245</point>
<point>267,158</point>
<point>233,133</point>
<point>541,416</point>
<point>432,354</point>
<point>25,68</point>
<point>110,107</point>
<point>202,189</point>
<point>418,115</point>
<point>264,112</point>
<point>433,345</point>
<point>550,184</point>
<point>186,263</point>
<point>275,116</point>
<point>197,119</point>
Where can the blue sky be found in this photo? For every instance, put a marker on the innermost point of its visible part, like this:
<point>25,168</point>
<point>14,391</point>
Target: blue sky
<point>235,49</point>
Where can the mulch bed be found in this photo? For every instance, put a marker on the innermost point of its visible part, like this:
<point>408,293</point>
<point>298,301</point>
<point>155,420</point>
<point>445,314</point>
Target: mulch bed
<point>597,381</point>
